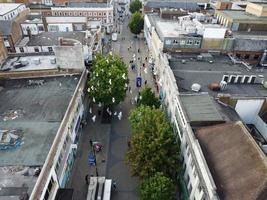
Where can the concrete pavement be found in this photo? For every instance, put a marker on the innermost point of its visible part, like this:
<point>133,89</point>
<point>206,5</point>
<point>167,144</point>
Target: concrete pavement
<point>114,136</point>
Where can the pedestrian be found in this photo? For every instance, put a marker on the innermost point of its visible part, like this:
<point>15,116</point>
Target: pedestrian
<point>114,185</point>
<point>128,48</point>
<point>138,50</point>
<point>129,88</point>
<point>132,67</point>
<point>144,65</point>
<point>91,143</point>
<point>99,112</point>
<point>86,179</point>
<point>145,82</point>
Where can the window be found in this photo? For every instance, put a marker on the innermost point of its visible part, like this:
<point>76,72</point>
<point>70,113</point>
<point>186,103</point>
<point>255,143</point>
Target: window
<point>238,55</point>
<point>100,14</point>
<point>95,14</point>
<point>21,50</point>
<point>40,28</point>
<point>75,14</point>
<point>189,42</point>
<point>84,13</point>
<point>104,14</point>
<point>50,49</point>
<point>80,13</point>
<point>196,42</point>
<point>36,49</point>
<point>182,42</point>
<point>90,14</point>
<point>49,189</point>
<point>247,56</point>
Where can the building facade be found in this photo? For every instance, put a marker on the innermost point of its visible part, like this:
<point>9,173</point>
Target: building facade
<point>10,11</point>
<point>97,12</point>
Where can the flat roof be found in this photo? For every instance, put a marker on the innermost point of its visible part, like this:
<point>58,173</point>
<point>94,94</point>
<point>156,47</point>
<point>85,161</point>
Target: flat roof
<point>183,4</point>
<point>188,70</point>
<point>242,16</point>
<point>169,29</point>
<point>41,107</point>
<point>88,5</point>
<point>200,108</point>
<point>237,165</point>
<point>65,19</point>
<point>7,7</point>
<point>45,63</point>
<point>52,38</point>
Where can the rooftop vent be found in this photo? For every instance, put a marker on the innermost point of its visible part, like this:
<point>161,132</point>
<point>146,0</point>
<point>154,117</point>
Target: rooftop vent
<point>183,61</point>
<point>196,87</point>
<point>36,61</point>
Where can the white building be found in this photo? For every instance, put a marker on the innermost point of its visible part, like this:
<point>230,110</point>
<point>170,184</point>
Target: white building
<point>32,25</point>
<point>9,11</point>
<point>66,24</point>
<point>93,11</point>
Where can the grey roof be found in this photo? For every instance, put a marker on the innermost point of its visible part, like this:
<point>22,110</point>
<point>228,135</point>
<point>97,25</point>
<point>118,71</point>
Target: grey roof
<point>43,108</point>
<point>88,5</point>
<point>200,108</point>
<point>204,73</point>
<point>192,6</point>
<point>52,38</point>
<point>5,27</point>
<point>250,44</point>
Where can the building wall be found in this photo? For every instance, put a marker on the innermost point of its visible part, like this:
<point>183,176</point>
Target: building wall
<point>34,28</point>
<point>225,44</point>
<point>3,51</point>
<point>105,15</point>
<point>183,42</point>
<point>223,5</point>
<point>60,27</point>
<point>257,9</point>
<point>55,161</point>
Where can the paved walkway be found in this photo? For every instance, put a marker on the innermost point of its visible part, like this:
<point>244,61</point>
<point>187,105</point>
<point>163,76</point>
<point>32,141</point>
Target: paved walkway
<point>113,136</point>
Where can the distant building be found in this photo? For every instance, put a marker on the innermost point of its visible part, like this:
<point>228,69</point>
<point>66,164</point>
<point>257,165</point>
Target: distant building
<point>254,18</point>
<point>9,11</point>
<point>33,25</point>
<point>93,11</point>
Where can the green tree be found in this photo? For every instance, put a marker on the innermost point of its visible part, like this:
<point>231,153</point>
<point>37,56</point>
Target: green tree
<point>148,98</point>
<point>157,187</point>
<point>135,6</point>
<point>108,80</point>
<point>153,146</point>
<point>136,23</point>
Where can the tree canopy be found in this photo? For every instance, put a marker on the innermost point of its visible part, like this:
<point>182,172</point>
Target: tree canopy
<point>108,80</point>
<point>136,23</point>
<point>157,187</point>
<point>135,6</point>
<point>148,98</point>
<point>153,146</point>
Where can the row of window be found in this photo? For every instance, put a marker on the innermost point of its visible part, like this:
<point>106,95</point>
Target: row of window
<point>183,42</point>
<point>248,56</point>
<point>36,49</point>
<point>59,13</point>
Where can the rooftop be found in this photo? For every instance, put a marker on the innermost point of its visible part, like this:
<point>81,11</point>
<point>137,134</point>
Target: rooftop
<point>7,7</point>
<point>242,16</point>
<point>5,27</point>
<point>52,38</point>
<point>88,5</point>
<point>237,165</point>
<point>34,108</point>
<point>45,63</point>
<point>183,4</point>
<point>200,108</point>
<point>188,70</point>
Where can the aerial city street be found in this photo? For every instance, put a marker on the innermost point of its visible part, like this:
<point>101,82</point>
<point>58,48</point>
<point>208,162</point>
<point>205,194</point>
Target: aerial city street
<point>133,99</point>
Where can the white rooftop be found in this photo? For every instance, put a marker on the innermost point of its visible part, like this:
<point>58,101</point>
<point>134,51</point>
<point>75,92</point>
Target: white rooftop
<point>45,63</point>
<point>170,28</point>
<point>50,20</point>
<point>7,7</point>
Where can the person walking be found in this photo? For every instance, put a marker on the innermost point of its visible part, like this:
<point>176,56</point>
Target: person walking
<point>86,179</point>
